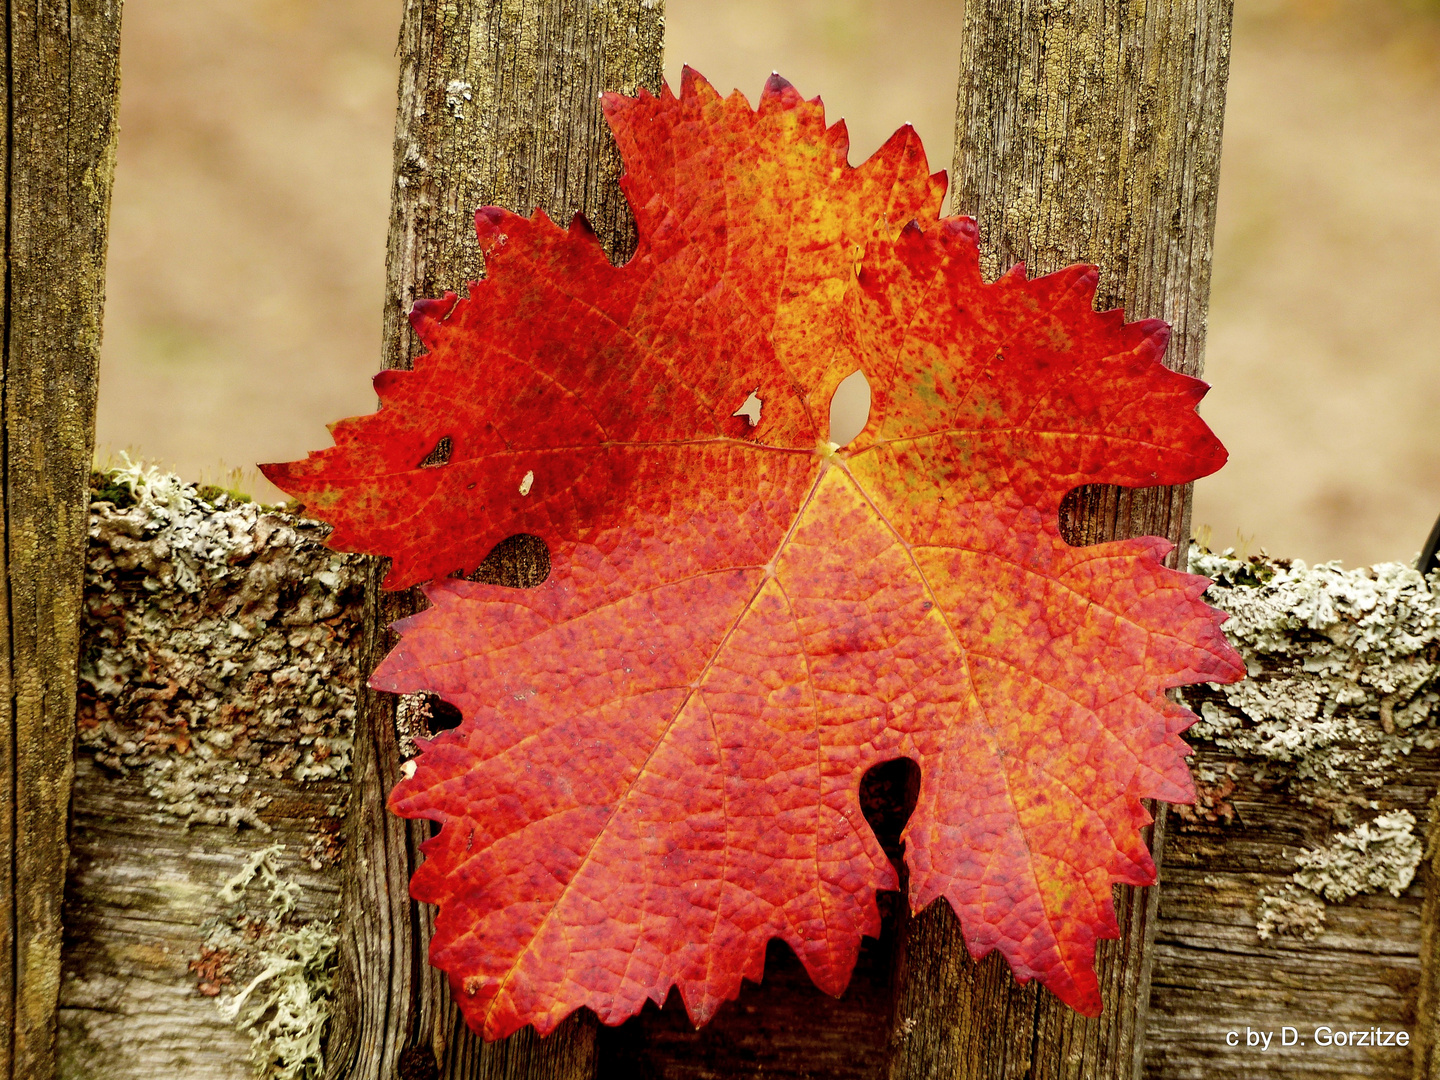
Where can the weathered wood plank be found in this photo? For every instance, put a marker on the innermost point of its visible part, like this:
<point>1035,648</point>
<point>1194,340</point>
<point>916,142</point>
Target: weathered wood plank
<point>1286,901</point>
<point>1427,1007</point>
<point>143,896</point>
<point>60,86</point>
<point>499,105</point>
<point>217,686</point>
<point>173,703</point>
<point>1086,131</point>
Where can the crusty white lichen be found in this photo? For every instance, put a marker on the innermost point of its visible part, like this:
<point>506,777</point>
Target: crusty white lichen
<point>288,967</point>
<point>1378,855</point>
<point>1342,667</point>
<point>281,894</point>
<point>1343,684</point>
<point>219,664</point>
<point>1291,911</point>
<point>219,644</point>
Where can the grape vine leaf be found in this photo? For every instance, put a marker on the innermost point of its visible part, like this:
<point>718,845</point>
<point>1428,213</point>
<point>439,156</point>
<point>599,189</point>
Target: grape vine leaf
<point>658,767</point>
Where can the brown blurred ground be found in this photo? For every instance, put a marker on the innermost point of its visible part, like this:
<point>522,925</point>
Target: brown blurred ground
<point>247,247</point>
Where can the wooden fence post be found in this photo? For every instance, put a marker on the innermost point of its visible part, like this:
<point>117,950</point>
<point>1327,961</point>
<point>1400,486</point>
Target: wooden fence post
<point>1427,999</point>
<point>499,105</point>
<point>1086,131</point>
<point>61,85</point>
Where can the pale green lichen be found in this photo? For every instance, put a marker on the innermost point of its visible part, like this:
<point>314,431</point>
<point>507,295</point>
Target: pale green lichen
<point>1344,680</point>
<point>1291,911</point>
<point>1342,668</point>
<point>220,644</point>
<point>281,894</point>
<point>1378,855</point>
<point>219,663</point>
<point>288,1022</point>
<point>1382,853</point>
<point>286,1004</point>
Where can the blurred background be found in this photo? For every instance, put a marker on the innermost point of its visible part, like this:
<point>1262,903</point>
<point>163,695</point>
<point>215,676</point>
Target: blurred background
<point>251,201</point>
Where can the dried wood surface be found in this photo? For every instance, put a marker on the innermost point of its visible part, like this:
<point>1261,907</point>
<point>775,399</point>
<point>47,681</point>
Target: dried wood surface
<point>175,706</point>
<point>1427,1003</point>
<point>1214,975</point>
<point>143,891</point>
<point>60,86</point>
<point>217,700</point>
<point>1287,897</point>
<point>499,105</point>
<point>1086,131</point>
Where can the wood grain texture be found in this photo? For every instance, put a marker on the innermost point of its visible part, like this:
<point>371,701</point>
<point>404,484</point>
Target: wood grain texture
<point>1427,1006</point>
<point>1215,974</point>
<point>1086,131</point>
<point>499,105</point>
<point>166,684</point>
<point>61,83</point>
<point>143,890</point>
<point>217,683</point>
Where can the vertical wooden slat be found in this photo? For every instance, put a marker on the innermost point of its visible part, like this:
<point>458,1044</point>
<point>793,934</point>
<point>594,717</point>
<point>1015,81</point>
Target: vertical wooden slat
<point>1086,131</point>
<point>61,87</point>
<point>499,105</point>
<point>1427,1006</point>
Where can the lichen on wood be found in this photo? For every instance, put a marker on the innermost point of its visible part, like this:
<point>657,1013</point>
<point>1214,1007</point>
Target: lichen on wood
<point>1343,668</point>
<point>285,1004</point>
<point>1338,660</point>
<point>1290,893</point>
<point>1380,854</point>
<point>218,679</point>
<point>255,670</point>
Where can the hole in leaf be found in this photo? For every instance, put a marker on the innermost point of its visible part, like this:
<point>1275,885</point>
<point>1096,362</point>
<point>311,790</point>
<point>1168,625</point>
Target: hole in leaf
<point>849,408</point>
<point>438,456</point>
<point>441,715</point>
<point>521,561</point>
<point>887,798</point>
<point>1094,513</point>
<point>750,409</point>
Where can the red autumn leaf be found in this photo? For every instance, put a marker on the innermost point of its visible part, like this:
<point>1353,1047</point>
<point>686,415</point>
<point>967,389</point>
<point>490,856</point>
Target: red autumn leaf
<point>659,764</point>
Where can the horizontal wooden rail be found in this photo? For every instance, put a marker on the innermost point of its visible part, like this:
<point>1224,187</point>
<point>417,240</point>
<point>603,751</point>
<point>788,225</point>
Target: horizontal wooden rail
<point>219,672</point>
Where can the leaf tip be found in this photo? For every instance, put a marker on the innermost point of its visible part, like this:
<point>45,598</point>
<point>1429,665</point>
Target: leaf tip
<point>488,227</point>
<point>426,318</point>
<point>276,471</point>
<point>693,85</point>
<point>779,94</point>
